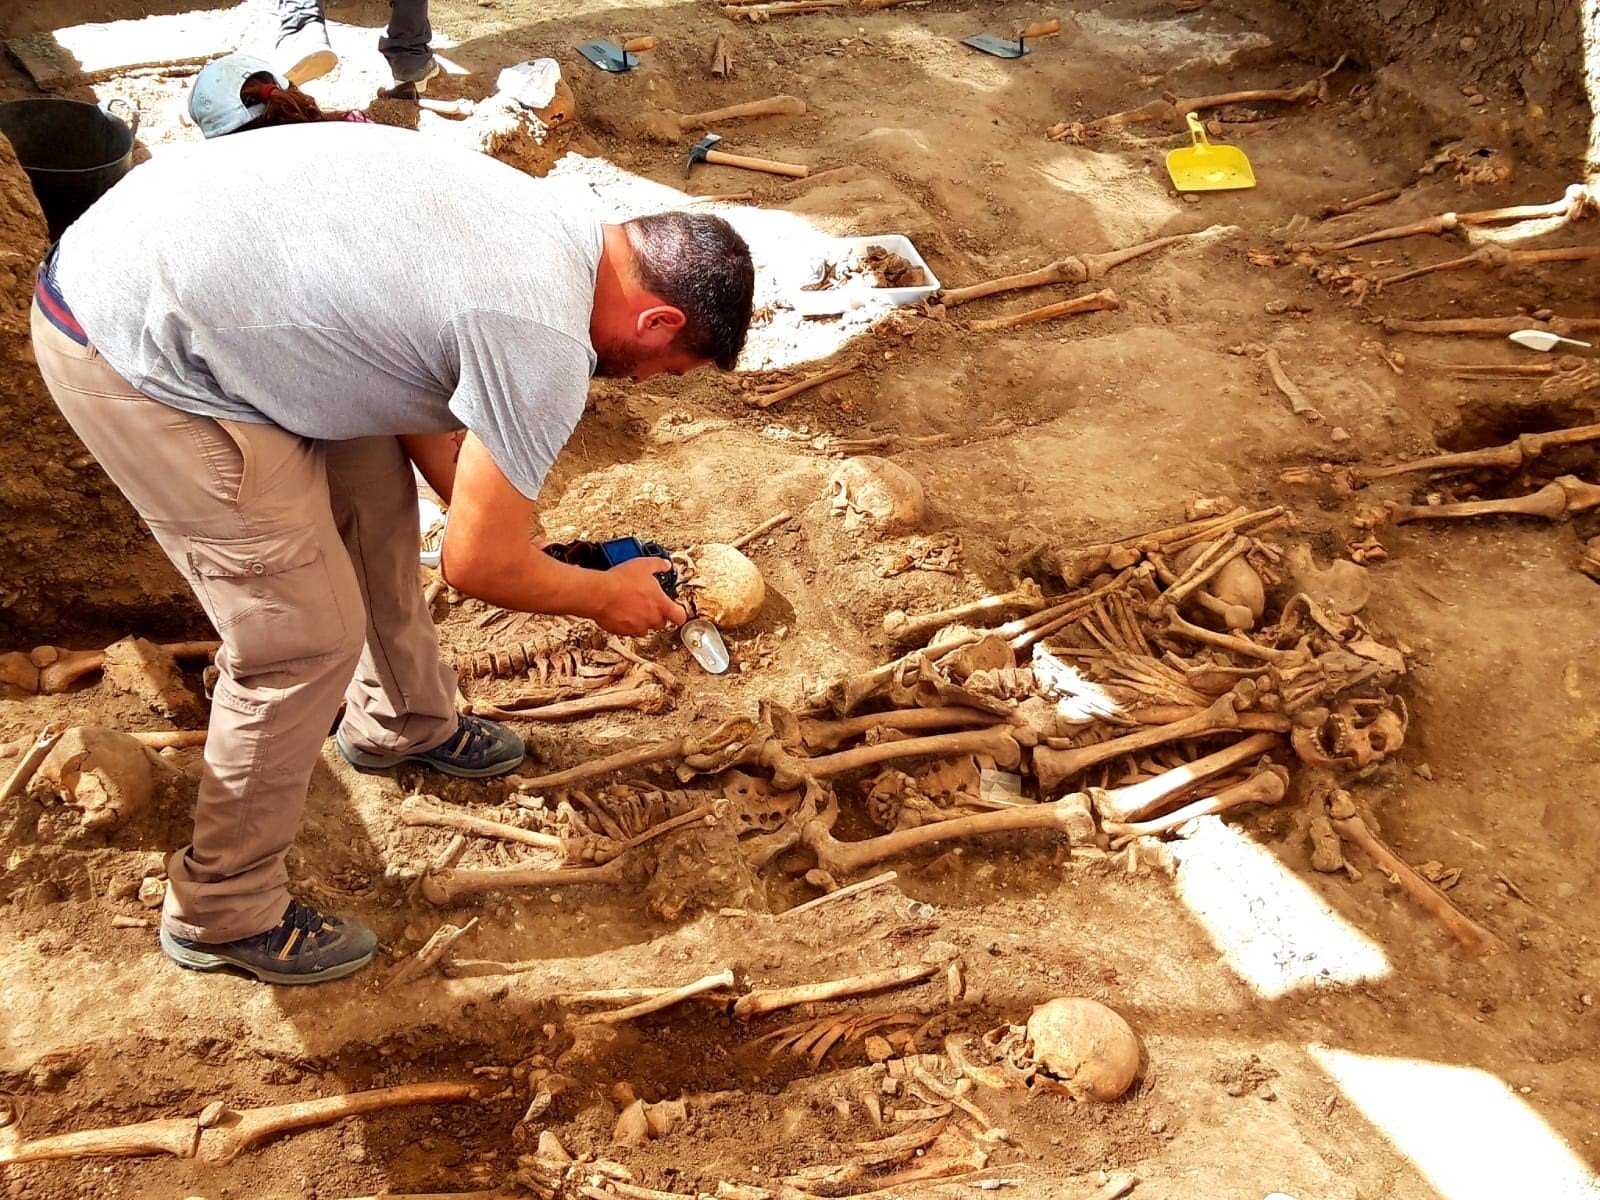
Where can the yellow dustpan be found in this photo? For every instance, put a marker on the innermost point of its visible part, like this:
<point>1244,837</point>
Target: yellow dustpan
<point>1203,167</point>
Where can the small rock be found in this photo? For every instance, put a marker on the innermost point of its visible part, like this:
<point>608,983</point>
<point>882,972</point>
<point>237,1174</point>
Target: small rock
<point>1477,101</point>
<point>1424,771</point>
<point>212,1113</point>
<point>632,1128</point>
<point>152,892</point>
<point>1158,1126</point>
<point>1467,43</point>
<point>878,1049</point>
<point>1339,434</point>
<point>1191,198</point>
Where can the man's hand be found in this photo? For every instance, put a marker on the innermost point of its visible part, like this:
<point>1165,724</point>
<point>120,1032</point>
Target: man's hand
<point>635,603</point>
<point>489,552</point>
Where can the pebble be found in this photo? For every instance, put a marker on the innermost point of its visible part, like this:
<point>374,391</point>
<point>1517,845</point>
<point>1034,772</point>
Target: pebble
<point>1424,771</point>
<point>211,1114</point>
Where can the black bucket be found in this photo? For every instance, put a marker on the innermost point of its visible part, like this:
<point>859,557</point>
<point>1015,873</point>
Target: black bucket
<point>72,151</point>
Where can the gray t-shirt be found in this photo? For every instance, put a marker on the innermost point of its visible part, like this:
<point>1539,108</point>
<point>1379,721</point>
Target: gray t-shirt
<point>345,280</point>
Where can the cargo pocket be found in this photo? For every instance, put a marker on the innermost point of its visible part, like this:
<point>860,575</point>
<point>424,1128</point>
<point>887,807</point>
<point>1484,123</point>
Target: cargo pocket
<point>269,596</point>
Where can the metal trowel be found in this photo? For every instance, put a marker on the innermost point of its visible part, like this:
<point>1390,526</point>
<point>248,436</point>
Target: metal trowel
<point>1006,48</point>
<point>1539,339</point>
<point>704,641</point>
<point>608,56</point>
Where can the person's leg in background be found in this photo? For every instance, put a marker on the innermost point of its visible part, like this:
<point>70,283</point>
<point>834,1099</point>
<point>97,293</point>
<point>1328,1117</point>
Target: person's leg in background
<point>244,514</point>
<point>302,52</point>
<point>406,42</point>
<point>401,704</point>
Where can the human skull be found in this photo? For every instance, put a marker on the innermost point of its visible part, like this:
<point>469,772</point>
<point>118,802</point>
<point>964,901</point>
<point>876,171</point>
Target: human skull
<point>727,587</point>
<point>881,492</point>
<point>1074,1046</point>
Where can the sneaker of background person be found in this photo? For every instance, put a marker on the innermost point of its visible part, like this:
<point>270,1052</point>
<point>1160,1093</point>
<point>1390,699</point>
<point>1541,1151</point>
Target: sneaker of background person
<point>305,55</point>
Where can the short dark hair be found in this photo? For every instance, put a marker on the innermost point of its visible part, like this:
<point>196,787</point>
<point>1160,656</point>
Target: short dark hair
<point>697,263</point>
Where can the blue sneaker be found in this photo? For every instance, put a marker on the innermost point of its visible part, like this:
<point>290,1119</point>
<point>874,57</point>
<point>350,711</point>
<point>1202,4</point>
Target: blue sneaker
<point>478,749</point>
<point>304,947</point>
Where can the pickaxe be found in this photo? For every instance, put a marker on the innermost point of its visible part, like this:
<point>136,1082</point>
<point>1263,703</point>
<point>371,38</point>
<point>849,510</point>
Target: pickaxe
<point>702,152</point>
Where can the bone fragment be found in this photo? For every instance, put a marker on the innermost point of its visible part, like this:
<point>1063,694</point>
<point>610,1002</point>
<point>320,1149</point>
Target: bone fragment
<point>903,627</point>
<point>827,735</point>
<point>430,955</point>
<point>32,757</point>
<point>425,810</point>
<point>721,981</point>
<point>1090,560</point>
<point>595,767</point>
<point>1072,269</point>
<point>646,698</point>
<point>951,1096</point>
<point>1495,257</point>
<point>766,399</point>
<point>1266,787</point>
<point>1512,454</point>
<point>1343,209</point>
<point>1114,1188</point>
<point>761,530</point>
<point>1054,767</point>
<point>669,126</point>
<point>1200,572</point>
<point>1298,404</point>
<point>1093,302</point>
<point>721,57</point>
<point>855,889</point>
<point>1474,938</point>
<point>1567,494</point>
<point>1139,800</point>
<point>755,1004</point>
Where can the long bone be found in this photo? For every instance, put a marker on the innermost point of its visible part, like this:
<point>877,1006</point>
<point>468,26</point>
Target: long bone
<point>1137,801</point>
<point>1492,326</point>
<point>1172,108</point>
<point>35,754</point>
<point>838,857</point>
<point>424,810</point>
<point>768,396</point>
<point>1562,497</point>
<point>234,1132</point>
<point>1579,201</point>
<point>443,885</point>
<point>1073,269</point>
<point>1496,258</point>
<point>1101,301</point>
<point>1055,766</point>
<point>722,737</point>
<point>828,735</point>
<point>904,627</point>
<point>1512,454</point>
<point>1091,560</point>
<point>1226,641</point>
<point>1268,786</point>
<point>721,981</point>
<point>645,698</point>
<point>60,669</point>
<point>1474,938</point>
<point>789,770</point>
<point>754,1004</point>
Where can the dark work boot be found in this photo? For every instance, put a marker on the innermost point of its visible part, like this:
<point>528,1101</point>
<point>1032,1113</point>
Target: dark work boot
<point>304,947</point>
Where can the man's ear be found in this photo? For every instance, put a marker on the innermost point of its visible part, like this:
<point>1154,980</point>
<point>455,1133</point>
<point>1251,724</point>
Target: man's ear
<point>660,324</point>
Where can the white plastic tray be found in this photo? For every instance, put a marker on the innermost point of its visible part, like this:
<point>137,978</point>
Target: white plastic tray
<point>834,301</point>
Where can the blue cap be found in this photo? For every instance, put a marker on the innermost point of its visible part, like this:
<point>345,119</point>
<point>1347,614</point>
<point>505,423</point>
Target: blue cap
<point>214,101</point>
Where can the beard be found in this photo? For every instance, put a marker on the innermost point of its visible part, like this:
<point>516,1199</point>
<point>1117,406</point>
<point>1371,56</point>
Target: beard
<point>616,359</point>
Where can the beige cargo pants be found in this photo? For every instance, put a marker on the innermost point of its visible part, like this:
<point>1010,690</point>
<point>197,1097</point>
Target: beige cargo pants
<point>304,555</point>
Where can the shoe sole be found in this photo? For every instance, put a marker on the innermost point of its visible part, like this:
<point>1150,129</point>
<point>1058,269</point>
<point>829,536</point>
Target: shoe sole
<point>383,762</point>
<point>201,960</point>
<point>313,66</point>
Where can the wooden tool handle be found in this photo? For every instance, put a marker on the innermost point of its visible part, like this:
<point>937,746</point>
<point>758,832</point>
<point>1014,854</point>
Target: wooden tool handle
<point>793,170</point>
<point>1041,29</point>
<point>773,106</point>
<point>649,43</point>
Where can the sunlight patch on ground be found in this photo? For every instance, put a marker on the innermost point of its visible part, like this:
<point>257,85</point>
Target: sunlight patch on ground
<point>1272,929</point>
<point>1467,1132</point>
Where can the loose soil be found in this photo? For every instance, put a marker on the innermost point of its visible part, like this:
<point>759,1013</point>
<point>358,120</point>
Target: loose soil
<point>1056,434</point>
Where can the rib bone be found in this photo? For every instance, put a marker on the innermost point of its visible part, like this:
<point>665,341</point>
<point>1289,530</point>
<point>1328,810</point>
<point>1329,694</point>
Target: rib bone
<point>903,627</point>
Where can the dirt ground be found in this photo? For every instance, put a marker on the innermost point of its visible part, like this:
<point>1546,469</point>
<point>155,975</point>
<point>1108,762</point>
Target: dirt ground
<point>1301,1032</point>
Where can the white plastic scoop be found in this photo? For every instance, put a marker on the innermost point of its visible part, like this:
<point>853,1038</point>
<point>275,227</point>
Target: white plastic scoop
<point>1538,339</point>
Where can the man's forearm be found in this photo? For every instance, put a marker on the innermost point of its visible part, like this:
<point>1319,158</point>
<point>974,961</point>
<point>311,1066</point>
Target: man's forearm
<point>525,579</point>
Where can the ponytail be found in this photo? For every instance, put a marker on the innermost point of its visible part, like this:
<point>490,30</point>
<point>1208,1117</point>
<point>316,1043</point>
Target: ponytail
<point>284,105</point>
